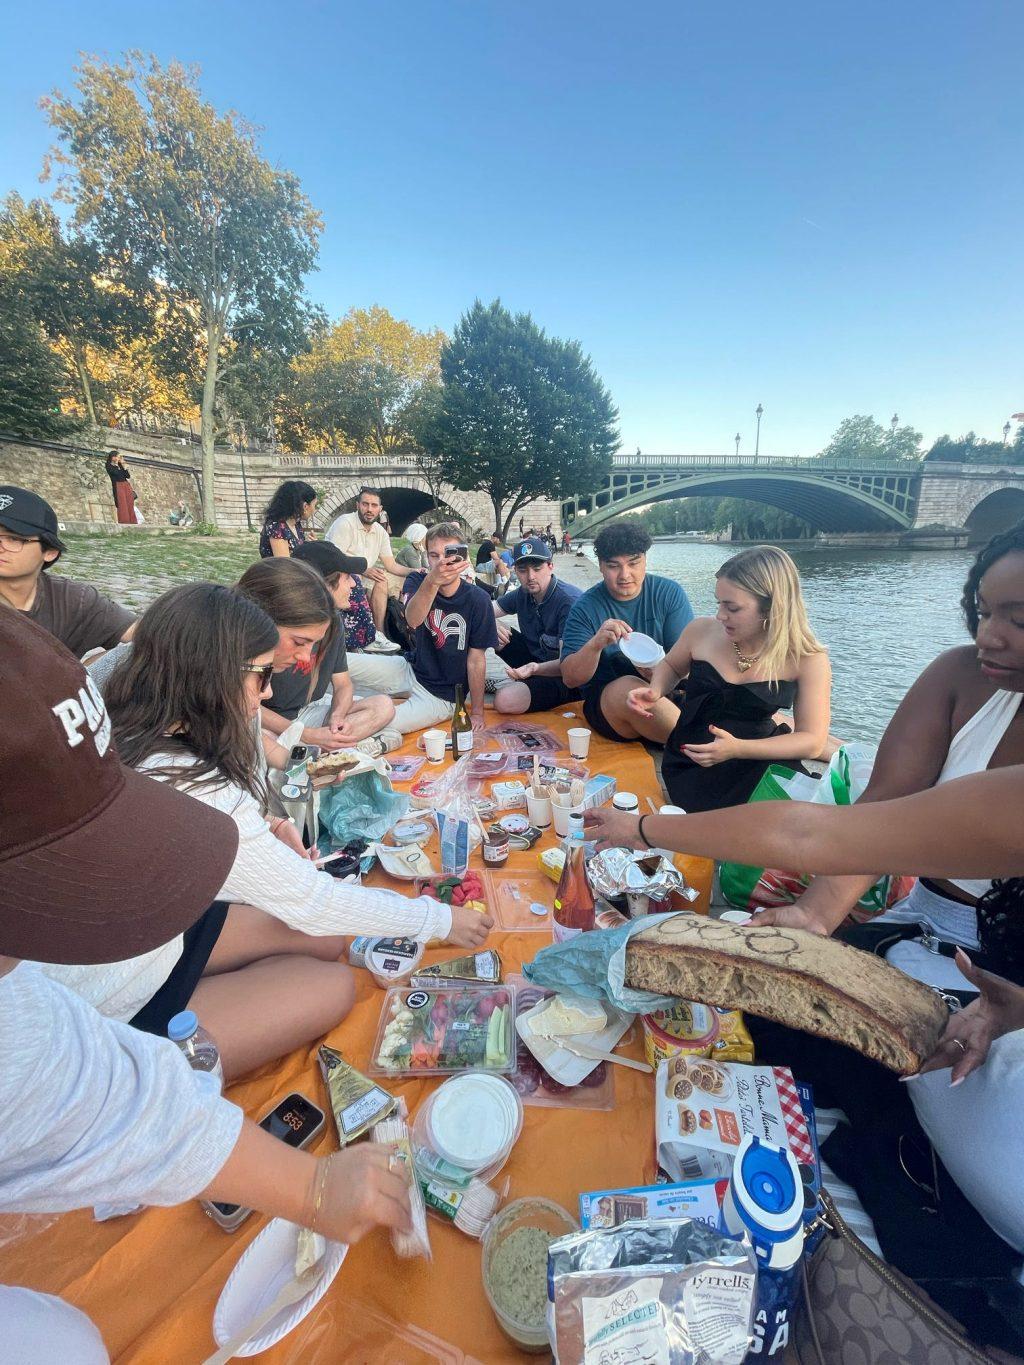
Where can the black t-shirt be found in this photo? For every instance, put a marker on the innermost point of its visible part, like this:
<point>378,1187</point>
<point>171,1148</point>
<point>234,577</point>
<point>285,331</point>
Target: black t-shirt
<point>483,555</point>
<point>290,688</point>
<point>454,625</point>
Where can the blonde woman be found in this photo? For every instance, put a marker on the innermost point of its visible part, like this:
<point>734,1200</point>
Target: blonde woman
<point>757,655</point>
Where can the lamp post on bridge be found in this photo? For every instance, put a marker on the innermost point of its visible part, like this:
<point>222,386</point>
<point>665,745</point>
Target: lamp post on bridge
<point>737,445</point>
<point>1006,434</point>
<point>757,440</point>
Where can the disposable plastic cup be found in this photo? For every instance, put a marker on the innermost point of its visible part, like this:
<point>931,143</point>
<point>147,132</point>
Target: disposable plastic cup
<point>560,817</point>
<point>432,743</point>
<point>539,810</point>
<point>579,742</point>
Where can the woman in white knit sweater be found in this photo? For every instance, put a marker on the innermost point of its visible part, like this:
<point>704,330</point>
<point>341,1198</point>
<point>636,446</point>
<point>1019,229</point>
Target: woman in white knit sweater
<point>264,976</point>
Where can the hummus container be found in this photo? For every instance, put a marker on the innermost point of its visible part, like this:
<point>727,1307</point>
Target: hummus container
<point>515,1269</point>
<point>686,1030</point>
<point>388,960</point>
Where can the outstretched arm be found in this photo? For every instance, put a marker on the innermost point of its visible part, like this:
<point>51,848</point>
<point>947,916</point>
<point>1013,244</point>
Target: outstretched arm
<point>966,828</point>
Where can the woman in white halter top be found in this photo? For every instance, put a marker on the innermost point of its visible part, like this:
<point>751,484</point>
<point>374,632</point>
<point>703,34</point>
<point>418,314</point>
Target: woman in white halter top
<point>963,715</point>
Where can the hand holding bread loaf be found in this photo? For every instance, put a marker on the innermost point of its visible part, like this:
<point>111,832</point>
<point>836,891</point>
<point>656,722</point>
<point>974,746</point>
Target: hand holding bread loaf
<point>796,978</point>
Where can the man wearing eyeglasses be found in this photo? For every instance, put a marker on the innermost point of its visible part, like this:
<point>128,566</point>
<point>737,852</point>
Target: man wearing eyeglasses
<point>80,617</point>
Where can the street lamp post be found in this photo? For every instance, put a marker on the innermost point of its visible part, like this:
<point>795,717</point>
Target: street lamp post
<point>1006,434</point>
<point>737,445</point>
<point>894,422</point>
<point>757,439</point>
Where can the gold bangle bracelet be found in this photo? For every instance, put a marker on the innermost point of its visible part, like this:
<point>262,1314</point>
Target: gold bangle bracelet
<point>319,1190</point>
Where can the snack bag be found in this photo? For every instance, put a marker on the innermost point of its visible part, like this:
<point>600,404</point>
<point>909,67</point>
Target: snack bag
<point>705,1108</point>
<point>357,1103</point>
<point>734,1043</point>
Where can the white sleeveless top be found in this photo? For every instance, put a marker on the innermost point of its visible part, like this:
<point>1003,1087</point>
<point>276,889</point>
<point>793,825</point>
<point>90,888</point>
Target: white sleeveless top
<point>971,751</point>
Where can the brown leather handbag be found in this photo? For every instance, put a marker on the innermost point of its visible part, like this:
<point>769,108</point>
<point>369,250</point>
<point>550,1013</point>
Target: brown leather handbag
<point>859,1311</point>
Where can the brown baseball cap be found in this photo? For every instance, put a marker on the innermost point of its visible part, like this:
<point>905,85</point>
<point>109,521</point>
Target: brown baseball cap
<point>97,863</point>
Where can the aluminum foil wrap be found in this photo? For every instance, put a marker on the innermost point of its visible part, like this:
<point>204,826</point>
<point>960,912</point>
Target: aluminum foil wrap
<point>627,871</point>
<point>668,1290</point>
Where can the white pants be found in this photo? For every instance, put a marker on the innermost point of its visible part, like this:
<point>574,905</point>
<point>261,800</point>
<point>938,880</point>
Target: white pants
<point>391,675</point>
<point>39,1327</point>
<point>949,920</point>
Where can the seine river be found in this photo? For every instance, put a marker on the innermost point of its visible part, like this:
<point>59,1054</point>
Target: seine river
<point>884,614</point>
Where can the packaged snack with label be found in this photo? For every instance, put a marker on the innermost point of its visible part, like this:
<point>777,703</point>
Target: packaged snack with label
<point>666,1290</point>
<point>478,969</point>
<point>703,1109</point>
<point>734,1043</point>
<point>438,1031</point>
<point>700,1200</point>
<point>357,1103</point>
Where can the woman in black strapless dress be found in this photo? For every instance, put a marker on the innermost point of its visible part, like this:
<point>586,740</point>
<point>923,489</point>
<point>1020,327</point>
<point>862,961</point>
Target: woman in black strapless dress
<point>757,656</point>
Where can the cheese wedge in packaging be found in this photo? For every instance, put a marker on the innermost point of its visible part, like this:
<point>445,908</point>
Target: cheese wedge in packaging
<point>357,1102</point>
<point>483,968</point>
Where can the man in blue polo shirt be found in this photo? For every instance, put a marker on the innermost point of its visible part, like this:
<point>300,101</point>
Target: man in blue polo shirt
<point>627,599</point>
<point>541,604</point>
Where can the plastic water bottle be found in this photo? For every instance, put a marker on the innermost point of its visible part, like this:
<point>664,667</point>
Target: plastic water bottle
<point>197,1045</point>
<point>765,1202</point>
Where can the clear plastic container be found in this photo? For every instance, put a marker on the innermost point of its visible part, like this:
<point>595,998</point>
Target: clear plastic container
<point>445,1030</point>
<point>551,1218</point>
<point>434,1161</point>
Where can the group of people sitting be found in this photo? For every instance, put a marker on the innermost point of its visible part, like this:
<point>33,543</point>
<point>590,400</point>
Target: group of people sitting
<point>147,869</point>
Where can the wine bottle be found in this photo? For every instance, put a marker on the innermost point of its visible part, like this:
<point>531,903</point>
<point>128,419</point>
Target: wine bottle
<point>574,900</point>
<point>462,727</point>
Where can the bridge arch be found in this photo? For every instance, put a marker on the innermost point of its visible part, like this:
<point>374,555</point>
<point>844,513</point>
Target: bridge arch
<point>995,512</point>
<point>405,500</point>
<point>828,504</point>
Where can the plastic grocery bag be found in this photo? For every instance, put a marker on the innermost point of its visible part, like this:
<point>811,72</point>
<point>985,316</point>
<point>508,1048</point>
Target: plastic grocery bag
<point>844,782</point>
<point>364,806</point>
<point>594,965</point>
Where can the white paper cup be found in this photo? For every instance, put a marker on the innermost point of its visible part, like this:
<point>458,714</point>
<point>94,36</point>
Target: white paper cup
<point>579,742</point>
<point>560,816</point>
<point>539,810</point>
<point>432,743</point>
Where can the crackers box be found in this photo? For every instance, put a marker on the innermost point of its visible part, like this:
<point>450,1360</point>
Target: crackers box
<point>700,1200</point>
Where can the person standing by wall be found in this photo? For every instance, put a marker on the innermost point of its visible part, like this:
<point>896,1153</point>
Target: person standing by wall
<point>121,487</point>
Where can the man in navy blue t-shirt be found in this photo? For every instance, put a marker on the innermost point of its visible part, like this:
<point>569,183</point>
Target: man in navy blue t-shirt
<point>452,624</point>
<point>627,599</point>
<point>541,603</point>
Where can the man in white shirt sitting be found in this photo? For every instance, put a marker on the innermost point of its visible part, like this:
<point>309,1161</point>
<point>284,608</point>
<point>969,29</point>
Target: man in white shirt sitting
<point>361,535</point>
<point>99,863</point>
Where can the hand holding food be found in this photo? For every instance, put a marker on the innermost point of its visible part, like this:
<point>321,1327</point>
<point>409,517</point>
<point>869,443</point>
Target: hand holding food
<point>360,1193</point>
<point>470,926</point>
<point>971,1031</point>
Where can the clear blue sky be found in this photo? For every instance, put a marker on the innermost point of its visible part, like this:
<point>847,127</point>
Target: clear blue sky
<point>818,206</point>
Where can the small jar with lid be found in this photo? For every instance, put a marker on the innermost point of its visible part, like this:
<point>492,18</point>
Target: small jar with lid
<point>495,846</point>
<point>627,802</point>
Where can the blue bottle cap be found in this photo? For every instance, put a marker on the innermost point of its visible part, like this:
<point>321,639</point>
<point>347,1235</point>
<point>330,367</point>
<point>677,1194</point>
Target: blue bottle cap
<point>768,1179</point>
<point>182,1026</point>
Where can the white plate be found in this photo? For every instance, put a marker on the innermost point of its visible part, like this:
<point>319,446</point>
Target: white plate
<point>265,1267</point>
<point>642,649</point>
<point>472,1120</point>
<point>558,1061</point>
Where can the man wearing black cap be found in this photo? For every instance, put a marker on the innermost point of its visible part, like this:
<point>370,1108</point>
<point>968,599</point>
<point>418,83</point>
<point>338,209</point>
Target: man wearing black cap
<point>80,617</point>
<point>329,714</point>
<point>540,604</point>
<point>95,1110</point>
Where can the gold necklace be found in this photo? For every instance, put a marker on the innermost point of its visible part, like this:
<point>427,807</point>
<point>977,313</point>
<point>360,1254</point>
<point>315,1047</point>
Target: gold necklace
<point>744,662</point>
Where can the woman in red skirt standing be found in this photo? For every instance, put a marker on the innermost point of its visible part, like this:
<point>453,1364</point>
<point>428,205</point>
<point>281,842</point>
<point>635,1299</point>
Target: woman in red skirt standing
<point>121,486</point>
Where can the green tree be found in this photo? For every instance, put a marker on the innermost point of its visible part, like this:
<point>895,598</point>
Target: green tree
<point>972,449</point>
<point>83,302</point>
<point>361,384</point>
<point>158,175</point>
<point>861,438</point>
<point>522,415</point>
<point>32,383</point>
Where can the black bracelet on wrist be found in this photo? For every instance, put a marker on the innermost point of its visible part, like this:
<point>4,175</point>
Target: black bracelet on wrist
<point>640,831</point>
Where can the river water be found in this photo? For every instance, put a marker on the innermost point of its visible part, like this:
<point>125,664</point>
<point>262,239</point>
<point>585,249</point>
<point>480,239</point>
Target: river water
<point>883,614</point>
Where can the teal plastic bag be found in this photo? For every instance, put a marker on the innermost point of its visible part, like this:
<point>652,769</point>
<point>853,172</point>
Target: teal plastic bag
<point>364,806</point>
<point>594,965</point>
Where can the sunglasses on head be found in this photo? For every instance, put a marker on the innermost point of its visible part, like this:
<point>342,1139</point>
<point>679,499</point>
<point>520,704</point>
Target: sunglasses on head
<point>264,671</point>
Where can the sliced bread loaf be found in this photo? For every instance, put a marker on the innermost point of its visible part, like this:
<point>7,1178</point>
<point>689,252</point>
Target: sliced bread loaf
<point>796,978</point>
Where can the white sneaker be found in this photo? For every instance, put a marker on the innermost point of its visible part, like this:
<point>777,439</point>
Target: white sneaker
<point>380,644</point>
<point>382,743</point>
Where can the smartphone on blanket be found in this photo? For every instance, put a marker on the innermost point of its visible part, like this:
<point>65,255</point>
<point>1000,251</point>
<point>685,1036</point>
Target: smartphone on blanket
<point>295,1120</point>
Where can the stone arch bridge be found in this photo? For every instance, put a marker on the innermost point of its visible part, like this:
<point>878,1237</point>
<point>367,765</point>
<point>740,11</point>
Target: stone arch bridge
<point>900,496</point>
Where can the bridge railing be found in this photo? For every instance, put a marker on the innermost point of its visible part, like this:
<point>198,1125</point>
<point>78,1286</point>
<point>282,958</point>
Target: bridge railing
<point>756,462</point>
<point>353,462</point>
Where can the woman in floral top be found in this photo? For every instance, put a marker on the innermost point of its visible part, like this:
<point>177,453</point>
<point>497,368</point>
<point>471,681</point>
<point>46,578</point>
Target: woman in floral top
<point>283,517</point>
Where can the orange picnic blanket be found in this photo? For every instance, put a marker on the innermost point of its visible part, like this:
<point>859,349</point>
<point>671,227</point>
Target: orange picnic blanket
<point>151,1281</point>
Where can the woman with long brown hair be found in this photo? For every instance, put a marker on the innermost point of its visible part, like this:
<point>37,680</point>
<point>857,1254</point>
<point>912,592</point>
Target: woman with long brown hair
<point>182,709</point>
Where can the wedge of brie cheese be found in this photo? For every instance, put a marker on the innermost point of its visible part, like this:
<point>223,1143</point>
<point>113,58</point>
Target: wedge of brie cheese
<point>569,1016</point>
